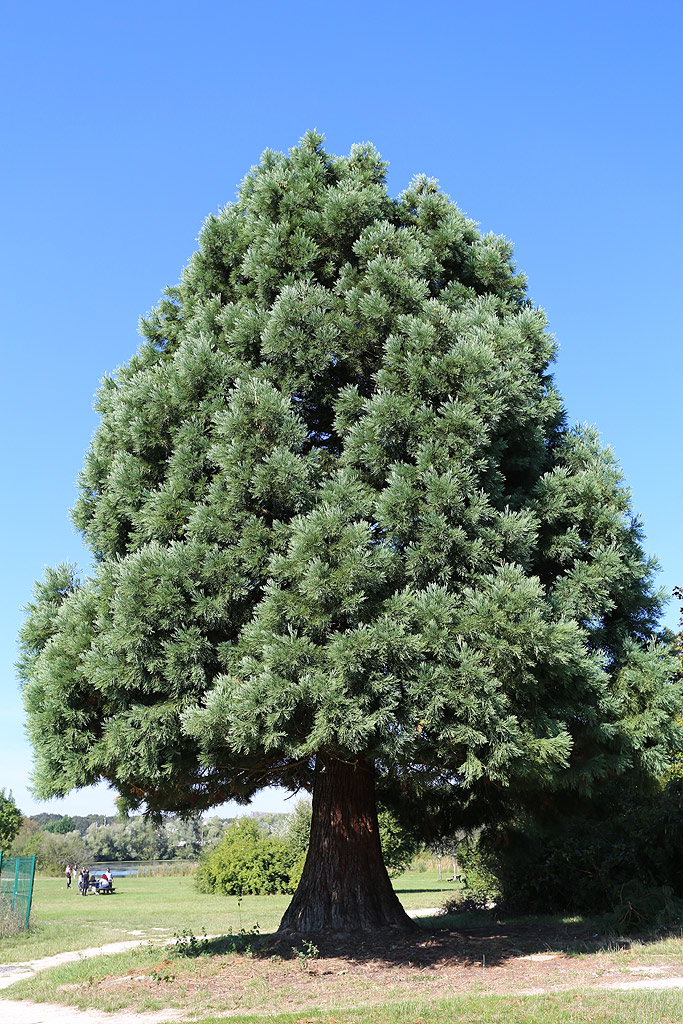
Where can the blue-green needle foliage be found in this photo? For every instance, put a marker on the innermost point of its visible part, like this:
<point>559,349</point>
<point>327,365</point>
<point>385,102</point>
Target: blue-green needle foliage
<point>334,507</point>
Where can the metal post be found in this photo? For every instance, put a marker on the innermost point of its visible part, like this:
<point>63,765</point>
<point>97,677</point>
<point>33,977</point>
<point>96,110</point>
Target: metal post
<point>16,882</point>
<point>29,897</point>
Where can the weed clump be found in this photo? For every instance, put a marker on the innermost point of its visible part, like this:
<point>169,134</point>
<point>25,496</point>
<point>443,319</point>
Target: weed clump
<point>12,921</point>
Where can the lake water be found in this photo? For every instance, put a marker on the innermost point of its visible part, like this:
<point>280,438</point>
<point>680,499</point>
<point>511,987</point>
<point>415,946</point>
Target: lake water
<point>132,867</point>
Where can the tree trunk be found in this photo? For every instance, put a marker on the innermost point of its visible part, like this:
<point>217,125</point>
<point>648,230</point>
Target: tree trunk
<point>344,886</point>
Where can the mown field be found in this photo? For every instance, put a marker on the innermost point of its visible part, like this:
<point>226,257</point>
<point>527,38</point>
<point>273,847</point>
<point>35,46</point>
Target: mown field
<point>461,970</point>
<point>154,907</point>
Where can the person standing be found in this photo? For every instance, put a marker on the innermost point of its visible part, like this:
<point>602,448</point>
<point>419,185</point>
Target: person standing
<point>86,880</point>
<point>67,872</point>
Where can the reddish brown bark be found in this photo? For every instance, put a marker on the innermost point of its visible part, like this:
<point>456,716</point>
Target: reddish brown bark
<point>344,886</point>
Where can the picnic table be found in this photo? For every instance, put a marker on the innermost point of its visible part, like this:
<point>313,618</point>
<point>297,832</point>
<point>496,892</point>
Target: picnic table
<point>94,885</point>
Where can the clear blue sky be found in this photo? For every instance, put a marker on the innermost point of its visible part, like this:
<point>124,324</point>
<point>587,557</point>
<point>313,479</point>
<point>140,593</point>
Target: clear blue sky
<point>124,125</point>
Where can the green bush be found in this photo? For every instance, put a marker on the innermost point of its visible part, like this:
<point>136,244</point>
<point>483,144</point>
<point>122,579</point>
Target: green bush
<point>297,829</point>
<point>247,862</point>
<point>639,906</point>
<point>619,856</point>
<point>399,847</point>
<point>479,885</point>
<point>10,819</point>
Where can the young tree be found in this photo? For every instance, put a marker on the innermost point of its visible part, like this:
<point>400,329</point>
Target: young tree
<point>10,820</point>
<point>345,542</point>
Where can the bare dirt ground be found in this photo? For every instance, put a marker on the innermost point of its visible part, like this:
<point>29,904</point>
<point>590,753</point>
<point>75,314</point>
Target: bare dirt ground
<point>285,973</point>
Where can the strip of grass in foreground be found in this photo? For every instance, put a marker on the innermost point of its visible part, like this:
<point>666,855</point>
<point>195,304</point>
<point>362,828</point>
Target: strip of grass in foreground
<point>187,983</point>
<point>567,1007</point>
<point>660,1007</point>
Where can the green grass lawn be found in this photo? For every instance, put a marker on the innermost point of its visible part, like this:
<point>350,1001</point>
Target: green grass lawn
<point>159,907</point>
<point>156,906</point>
<point>422,889</point>
<point>153,907</point>
<point>561,1008</point>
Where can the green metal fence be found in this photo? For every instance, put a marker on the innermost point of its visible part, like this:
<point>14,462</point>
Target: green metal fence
<point>16,885</point>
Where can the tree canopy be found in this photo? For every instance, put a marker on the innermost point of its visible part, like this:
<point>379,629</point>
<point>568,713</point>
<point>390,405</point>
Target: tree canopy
<point>339,525</point>
<point>62,826</point>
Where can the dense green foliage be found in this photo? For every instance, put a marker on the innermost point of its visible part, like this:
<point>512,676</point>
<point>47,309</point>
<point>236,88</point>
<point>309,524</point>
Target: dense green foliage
<point>53,851</point>
<point>620,854</point>
<point>10,819</point>
<point>335,507</point>
<point>81,822</point>
<point>296,828</point>
<point>399,844</point>
<point>61,826</point>
<point>248,862</point>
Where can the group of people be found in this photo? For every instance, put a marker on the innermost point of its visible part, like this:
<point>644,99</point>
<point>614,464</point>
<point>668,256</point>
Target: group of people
<point>87,881</point>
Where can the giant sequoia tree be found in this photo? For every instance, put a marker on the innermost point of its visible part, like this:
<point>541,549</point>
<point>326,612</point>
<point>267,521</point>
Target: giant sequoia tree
<point>343,540</point>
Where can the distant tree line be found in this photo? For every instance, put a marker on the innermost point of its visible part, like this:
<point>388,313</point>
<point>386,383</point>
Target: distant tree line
<point>63,823</point>
<point>57,840</point>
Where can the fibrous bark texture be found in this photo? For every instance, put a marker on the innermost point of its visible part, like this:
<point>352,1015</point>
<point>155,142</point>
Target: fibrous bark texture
<point>344,886</point>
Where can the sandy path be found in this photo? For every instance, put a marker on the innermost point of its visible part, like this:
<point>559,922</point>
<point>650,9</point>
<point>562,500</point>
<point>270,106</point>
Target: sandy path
<point>26,1012</point>
<point>50,1013</point>
<point>11,973</point>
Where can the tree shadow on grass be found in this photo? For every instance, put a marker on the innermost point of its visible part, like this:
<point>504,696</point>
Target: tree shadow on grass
<point>435,942</point>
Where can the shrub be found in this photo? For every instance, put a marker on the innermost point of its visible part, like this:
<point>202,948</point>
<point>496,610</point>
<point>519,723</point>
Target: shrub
<point>619,856</point>
<point>640,906</point>
<point>61,827</point>
<point>478,885</point>
<point>399,847</point>
<point>247,862</point>
<point>297,828</point>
